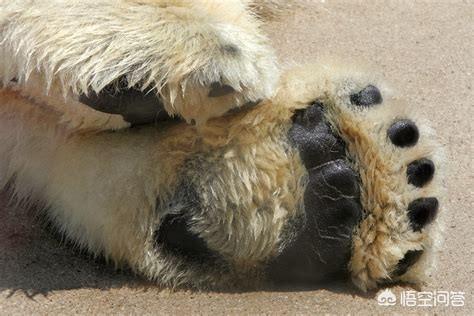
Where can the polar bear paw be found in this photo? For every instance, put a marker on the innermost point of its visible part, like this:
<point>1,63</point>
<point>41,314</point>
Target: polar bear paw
<point>373,187</point>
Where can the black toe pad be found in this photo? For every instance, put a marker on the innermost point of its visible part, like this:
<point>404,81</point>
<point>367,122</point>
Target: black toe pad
<point>403,133</point>
<point>422,211</point>
<point>368,96</point>
<point>420,172</point>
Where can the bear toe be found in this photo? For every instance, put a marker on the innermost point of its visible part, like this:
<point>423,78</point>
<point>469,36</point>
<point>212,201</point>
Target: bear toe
<point>403,133</point>
<point>367,97</point>
<point>422,211</point>
<point>420,172</point>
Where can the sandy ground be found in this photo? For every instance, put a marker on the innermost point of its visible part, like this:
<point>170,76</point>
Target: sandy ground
<point>426,49</point>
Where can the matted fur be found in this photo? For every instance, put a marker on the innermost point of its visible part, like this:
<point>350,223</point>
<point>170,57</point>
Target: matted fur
<point>249,178</point>
<point>175,48</point>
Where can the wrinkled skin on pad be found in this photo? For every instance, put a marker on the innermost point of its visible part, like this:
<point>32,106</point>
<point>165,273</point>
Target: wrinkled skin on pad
<point>331,205</point>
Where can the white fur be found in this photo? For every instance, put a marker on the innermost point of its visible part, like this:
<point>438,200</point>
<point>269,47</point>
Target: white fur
<point>174,48</point>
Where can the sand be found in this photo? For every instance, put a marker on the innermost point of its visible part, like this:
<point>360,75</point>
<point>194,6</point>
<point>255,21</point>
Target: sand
<point>425,49</point>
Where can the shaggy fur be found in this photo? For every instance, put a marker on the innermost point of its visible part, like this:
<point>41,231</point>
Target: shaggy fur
<point>176,49</point>
<point>249,177</point>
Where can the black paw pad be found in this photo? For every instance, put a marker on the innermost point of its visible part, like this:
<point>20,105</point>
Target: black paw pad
<point>403,133</point>
<point>310,117</point>
<point>368,96</point>
<point>322,246</point>
<point>314,138</point>
<point>321,239</point>
<point>338,176</point>
<point>420,172</point>
<point>135,106</point>
<point>175,237</point>
<point>422,211</point>
<point>410,258</point>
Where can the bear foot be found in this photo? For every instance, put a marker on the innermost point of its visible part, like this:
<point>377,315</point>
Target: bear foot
<point>372,196</point>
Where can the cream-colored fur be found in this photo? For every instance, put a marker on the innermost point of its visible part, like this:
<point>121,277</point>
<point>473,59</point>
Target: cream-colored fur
<point>109,192</point>
<point>175,48</point>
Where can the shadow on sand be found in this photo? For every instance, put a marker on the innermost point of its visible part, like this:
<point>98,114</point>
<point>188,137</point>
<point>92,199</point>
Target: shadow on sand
<point>35,262</point>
